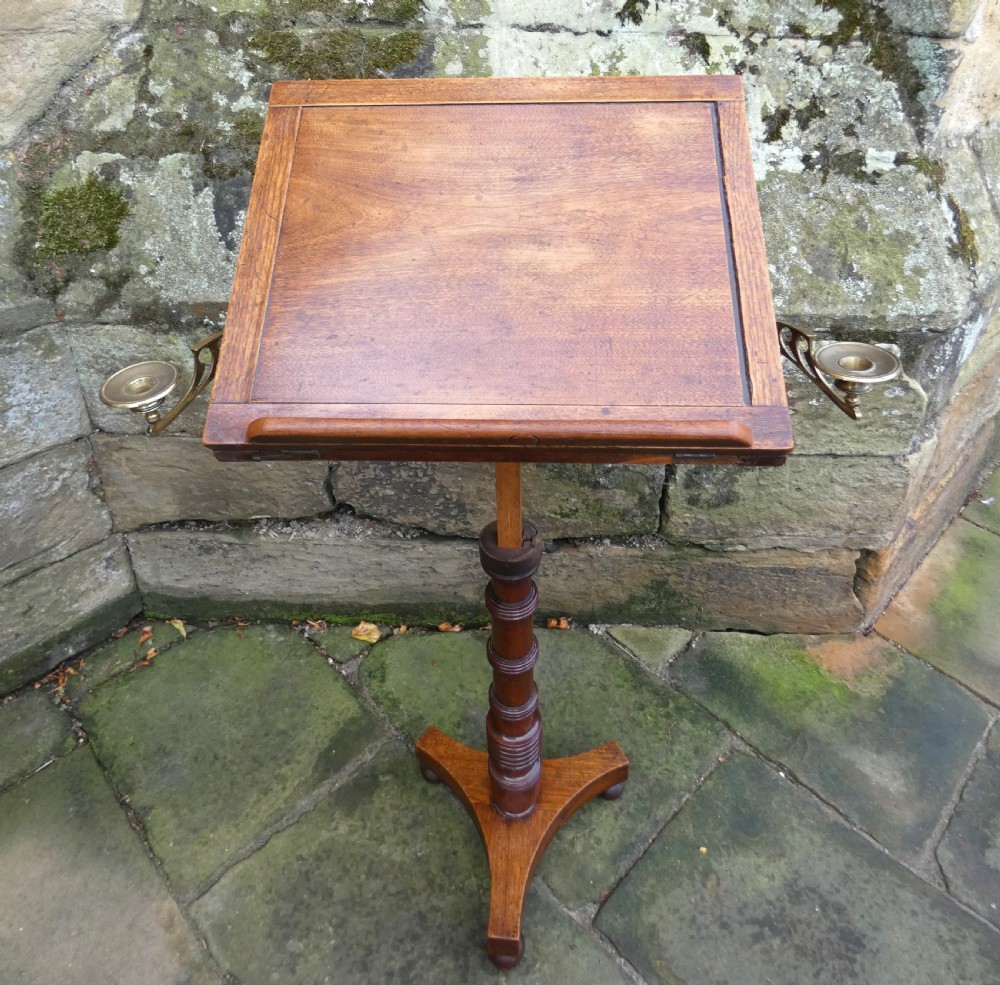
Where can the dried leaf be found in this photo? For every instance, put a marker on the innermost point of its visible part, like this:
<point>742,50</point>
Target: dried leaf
<point>447,627</point>
<point>179,626</point>
<point>367,632</point>
<point>561,623</point>
<point>402,629</point>
<point>145,636</point>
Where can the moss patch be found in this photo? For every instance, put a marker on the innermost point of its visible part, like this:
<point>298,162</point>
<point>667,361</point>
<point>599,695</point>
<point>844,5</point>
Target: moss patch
<point>351,53</point>
<point>697,45</point>
<point>964,247</point>
<point>929,167</point>
<point>80,218</point>
<point>632,12</point>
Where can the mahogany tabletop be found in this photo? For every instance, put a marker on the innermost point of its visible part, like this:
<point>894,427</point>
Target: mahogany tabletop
<point>503,270</point>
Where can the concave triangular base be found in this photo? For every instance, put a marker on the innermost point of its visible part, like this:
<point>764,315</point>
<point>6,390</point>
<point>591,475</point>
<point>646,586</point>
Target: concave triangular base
<point>514,846</point>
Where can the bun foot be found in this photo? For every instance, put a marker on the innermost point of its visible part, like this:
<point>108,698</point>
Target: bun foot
<point>429,775</point>
<point>613,792</point>
<point>506,961</point>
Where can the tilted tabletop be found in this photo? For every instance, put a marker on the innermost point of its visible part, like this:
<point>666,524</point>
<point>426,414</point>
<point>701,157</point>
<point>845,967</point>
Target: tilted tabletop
<point>503,270</point>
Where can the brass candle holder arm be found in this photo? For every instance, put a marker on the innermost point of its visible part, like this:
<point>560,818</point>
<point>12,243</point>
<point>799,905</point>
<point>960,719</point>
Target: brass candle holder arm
<point>143,387</point>
<point>853,367</point>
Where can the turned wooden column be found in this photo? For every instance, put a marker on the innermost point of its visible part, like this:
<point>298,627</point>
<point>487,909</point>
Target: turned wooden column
<point>510,551</point>
<point>517,799</point>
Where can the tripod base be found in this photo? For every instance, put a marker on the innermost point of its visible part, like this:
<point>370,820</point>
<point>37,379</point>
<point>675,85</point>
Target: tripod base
<point>514,846</point>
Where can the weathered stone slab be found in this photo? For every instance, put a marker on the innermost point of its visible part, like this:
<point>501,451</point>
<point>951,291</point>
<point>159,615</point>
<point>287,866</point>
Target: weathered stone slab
<point>304,570</point>
<point>892,236</point>
<point>33,731</point>
<point>459,498</point>
<point>589,695</point>
<point>654,646</point>
<point>873,731</point>
<point>984,509</point>
<point>384,881</point>
<point>40,401</point>
<point>812,501</point>
<point>264,721</point>
<point>48,510</point>
<point>100,350</point>
<point>172,226</point>
<point>969,852</point>
<point>339,568</point>
<point>54,613</point>
<point>79,900</point>
<point>766,591</point>
<point>947,612</point>
<point>891,417</point>
<point>42,43</point>
<point>155,480</point>
<point>754,882</point>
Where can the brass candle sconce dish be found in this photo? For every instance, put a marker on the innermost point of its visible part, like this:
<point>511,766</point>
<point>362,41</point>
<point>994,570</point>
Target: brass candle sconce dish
<point>143,387</point>
<point>854,367</point>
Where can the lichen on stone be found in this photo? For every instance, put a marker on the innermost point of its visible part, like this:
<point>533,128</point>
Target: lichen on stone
<point>80,218</point>
<point>888,50</point>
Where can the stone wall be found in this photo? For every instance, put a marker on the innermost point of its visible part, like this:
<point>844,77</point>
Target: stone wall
<point>129,132</point>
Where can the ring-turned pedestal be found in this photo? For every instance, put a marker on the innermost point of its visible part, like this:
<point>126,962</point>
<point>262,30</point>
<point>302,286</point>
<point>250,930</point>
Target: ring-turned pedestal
<point>504,271</point>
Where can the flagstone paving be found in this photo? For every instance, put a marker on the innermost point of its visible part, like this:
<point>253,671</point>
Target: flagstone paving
<point>870,729</point>
<point>218,739</point>
<point>33,731</point>
<point>240,805</point>
<point>947,614</point>
<point>755,882</point>
<point>81,901</point>
<point>390,886</point>
<point>970,850</point>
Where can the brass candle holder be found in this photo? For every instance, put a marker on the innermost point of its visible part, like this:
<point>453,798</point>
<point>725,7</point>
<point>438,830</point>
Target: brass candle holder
<point>853,367</point>
<point>844,371</point>
<point>143,387</point>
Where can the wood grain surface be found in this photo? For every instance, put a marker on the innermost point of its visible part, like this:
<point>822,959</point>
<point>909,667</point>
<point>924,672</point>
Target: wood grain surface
<point>461,265</point>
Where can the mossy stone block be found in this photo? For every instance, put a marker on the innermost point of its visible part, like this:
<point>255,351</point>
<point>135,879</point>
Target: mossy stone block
<point>384,881</point>
<point>221,737</point>
<point>589,695</point>
<point>880,735</point>
<point>947,612</point>
<point>754,881</point>
<point>80,901</point>
<point>33,730</point>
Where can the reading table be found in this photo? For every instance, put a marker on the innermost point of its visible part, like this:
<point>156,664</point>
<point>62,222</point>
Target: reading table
<point>504,271</point>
